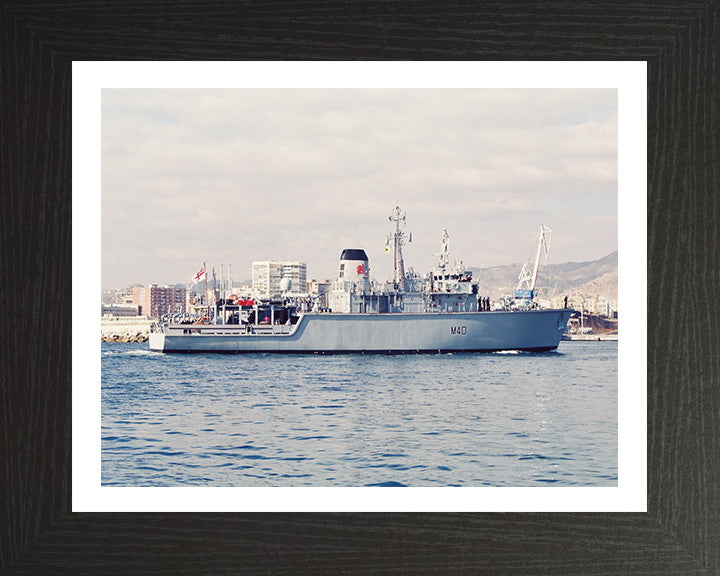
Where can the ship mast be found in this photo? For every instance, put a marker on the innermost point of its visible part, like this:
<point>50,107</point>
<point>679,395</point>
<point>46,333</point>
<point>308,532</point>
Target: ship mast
<point>444,255</point>
<point>398,235</point>
<point>207,304</point>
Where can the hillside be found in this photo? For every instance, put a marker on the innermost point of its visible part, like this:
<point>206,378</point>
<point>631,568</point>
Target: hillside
<point>596,276</point>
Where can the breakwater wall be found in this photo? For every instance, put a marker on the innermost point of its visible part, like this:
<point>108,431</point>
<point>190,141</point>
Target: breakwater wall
<point>124,329</point>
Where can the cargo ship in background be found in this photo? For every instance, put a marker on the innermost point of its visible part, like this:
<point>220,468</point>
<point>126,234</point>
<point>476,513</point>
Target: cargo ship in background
<point>439,312</point>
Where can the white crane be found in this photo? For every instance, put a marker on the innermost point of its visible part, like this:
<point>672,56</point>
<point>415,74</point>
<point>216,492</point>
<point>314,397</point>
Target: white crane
<point>527,279</point>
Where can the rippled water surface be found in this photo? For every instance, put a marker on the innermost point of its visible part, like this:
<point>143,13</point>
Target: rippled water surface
<point>504,419</point>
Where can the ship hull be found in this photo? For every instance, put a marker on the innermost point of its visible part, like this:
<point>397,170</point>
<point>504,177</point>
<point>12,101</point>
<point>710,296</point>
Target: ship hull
<point>334,333</point>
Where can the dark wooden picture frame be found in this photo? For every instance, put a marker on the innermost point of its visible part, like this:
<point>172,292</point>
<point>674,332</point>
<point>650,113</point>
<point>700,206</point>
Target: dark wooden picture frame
<point>680,533</point>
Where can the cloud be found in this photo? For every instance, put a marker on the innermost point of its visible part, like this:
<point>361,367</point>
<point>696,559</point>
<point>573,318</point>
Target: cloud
<point>248,175</point>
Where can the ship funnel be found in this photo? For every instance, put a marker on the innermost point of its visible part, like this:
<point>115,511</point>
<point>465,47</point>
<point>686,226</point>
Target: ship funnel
<point>354,267</point>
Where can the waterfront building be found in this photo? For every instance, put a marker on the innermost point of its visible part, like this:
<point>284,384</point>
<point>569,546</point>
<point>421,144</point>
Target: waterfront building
<point>161,300</point>
<point>124,296</point>
<point>321,289</point>
<point>267,275</point>
<point>138,295</point>
<point>243,291</point>
<point>120,310</point>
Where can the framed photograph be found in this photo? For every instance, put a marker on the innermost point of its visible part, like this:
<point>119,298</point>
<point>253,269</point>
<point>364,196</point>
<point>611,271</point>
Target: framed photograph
<point>666,524</point>
<point>489,152</point>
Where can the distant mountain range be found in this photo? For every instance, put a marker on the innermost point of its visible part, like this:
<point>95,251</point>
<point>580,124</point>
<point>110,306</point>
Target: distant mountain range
<point>588,278</point>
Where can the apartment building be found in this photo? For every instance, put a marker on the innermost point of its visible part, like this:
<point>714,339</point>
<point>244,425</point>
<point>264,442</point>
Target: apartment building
<point>267,275</point>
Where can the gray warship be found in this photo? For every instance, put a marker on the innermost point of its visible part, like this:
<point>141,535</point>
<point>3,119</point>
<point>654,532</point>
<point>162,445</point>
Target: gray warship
<point>441,312</point>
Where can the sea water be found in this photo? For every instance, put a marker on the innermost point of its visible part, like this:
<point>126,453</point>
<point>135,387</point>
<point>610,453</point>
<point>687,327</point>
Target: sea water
<point>500,419</point>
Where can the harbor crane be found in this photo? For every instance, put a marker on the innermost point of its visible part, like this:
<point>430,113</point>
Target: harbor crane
<point>525,291</point>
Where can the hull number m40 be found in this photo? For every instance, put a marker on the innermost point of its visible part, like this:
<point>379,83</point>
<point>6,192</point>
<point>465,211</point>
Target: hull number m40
<point>460,330</point>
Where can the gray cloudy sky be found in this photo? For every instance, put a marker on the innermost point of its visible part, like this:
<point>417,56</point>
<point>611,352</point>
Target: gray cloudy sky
<point>232,176</point>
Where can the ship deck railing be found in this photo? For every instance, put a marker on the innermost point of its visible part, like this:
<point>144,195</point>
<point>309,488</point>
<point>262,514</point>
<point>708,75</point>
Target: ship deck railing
<point>227,329</point>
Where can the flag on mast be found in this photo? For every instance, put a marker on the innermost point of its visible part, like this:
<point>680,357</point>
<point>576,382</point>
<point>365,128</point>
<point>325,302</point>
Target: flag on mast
<point>199,276</point>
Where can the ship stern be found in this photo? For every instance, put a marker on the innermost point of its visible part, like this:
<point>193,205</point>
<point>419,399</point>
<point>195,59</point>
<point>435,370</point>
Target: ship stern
<point>157,341</point>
